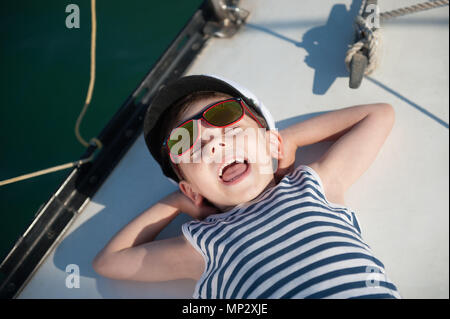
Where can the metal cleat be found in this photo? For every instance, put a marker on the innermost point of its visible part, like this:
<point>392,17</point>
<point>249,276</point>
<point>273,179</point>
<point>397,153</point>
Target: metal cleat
<point>228,18</point>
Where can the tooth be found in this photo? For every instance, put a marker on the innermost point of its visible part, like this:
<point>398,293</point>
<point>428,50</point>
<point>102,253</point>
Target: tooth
<point>221,169</point>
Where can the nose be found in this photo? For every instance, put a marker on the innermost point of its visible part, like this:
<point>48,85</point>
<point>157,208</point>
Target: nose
<point>217,145</point>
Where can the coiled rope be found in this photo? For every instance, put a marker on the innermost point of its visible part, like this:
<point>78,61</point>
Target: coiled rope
<point>93,141</point>
<point>372,36</point>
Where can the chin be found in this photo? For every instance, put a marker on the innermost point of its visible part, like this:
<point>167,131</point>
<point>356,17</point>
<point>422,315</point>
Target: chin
<point>245,191</point>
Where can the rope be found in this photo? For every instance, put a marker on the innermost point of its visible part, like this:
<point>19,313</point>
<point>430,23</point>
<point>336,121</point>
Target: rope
<point>371,41</point>
<point>91,81</point>
<point>413,9</point>
<point>372,37</point>
<point>46,171</point>
<point>80,117</point>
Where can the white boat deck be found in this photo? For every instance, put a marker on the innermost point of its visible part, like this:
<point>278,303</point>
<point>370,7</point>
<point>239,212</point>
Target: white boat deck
<point>290,54</point>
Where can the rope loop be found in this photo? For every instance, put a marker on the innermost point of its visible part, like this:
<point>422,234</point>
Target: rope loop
<point>97,142</point>
<point>370,40</point>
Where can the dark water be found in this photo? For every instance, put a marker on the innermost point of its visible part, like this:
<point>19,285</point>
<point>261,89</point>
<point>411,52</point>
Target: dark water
<point>44,70</point>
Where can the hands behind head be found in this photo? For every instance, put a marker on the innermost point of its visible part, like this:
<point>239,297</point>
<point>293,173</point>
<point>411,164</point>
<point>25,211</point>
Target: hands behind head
<point>198,211</point>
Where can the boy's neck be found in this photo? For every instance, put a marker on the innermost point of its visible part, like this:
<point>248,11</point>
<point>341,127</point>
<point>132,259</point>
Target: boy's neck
<point>271,184</point>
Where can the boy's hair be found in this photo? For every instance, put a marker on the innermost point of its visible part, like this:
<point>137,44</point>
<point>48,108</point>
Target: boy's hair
<point>171,101</point>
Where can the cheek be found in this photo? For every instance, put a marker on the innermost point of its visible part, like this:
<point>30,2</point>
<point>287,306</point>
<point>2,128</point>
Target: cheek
<point>249,142</point>
<point>188,170</point>
<point>260,149</point>
<point>198,174</point>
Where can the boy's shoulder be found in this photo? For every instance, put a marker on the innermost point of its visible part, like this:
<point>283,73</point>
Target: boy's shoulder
<point>295,177</point>
<point>329,188</point>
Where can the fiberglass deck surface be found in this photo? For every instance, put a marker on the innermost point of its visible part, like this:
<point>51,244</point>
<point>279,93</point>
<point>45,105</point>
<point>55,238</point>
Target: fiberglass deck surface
<point>290,54</point>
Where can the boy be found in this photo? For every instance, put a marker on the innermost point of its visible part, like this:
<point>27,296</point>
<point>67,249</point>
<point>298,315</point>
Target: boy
<point>262,229</point>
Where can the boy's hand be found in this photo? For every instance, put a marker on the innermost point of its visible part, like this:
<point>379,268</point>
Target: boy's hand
<point>186,205</point>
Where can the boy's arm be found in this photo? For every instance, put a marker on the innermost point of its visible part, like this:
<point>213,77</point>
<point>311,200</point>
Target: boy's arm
<point>358,132</point>
<point>133,255</point>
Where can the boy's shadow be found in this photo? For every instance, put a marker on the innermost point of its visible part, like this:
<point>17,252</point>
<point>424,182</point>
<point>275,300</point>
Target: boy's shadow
<point>136,184</point>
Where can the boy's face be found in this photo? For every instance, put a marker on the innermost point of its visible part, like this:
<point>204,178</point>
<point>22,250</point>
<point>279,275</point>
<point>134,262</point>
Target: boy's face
<point>234,164</point>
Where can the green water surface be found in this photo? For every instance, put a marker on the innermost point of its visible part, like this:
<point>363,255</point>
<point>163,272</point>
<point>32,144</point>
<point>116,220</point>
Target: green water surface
<point>44,69</point>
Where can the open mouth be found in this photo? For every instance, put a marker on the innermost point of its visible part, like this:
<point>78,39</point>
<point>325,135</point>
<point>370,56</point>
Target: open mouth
<point>234,172</point>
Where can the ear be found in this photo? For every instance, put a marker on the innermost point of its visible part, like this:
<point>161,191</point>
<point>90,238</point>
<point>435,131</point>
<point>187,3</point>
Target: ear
<point>276,149</point>
<point>187,189</point>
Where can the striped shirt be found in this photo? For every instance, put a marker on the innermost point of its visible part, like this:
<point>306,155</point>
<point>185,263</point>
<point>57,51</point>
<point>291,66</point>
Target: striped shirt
<point>289,242</point>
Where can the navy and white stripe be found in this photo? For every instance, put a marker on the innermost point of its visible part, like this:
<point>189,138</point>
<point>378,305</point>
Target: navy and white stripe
<point>289,242</point>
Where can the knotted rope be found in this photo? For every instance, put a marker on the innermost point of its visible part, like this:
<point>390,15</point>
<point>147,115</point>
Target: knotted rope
<point>371,41</point>
<point>371,35</point>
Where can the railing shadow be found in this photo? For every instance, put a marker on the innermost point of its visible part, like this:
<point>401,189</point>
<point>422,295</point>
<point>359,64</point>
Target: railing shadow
<point>408,101</point>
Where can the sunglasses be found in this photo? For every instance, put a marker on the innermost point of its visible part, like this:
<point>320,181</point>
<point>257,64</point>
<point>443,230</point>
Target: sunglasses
<point>219,114</point>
